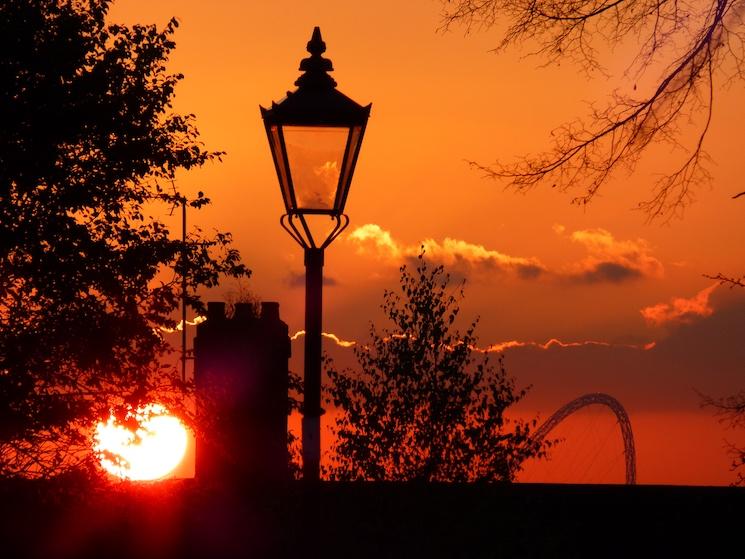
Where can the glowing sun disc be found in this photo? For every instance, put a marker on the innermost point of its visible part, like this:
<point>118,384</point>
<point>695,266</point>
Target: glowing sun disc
<point>151,452</point>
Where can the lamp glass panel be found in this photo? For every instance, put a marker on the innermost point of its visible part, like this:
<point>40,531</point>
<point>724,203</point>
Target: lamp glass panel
<point>280,164</point>
<point>316,157</point>
<point>354,145</point>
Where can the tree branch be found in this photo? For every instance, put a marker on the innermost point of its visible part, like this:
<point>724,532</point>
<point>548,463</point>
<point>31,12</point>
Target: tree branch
<point>586,153</point>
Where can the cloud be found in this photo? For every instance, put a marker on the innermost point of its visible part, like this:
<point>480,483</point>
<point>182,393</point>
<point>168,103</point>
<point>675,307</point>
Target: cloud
<point>702,356</point>
<point>297,279</point>
<point>180,325</point>
<point>664,379</point>
<point>610,272</point>
<point>500,347</point>
<point>610,260</point>
<point>680,310</point>
<point>373,238</point>
<point>454,253</point>
<point>333,337</point>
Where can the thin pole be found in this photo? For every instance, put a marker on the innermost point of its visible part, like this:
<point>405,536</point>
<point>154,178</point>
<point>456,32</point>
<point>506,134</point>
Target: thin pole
<point>312,410</point>
<point>183,289</point>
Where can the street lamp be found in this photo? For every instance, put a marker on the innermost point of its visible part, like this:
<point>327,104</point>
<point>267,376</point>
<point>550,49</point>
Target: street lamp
<point>315,134</point>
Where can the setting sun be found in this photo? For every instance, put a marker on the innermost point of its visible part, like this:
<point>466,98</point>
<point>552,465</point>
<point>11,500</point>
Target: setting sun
<point>150,452</point>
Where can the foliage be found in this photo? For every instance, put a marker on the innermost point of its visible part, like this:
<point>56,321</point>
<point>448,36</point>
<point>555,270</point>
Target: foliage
<point>696,47</point>
<point>90,146</point>
<point>425,404</point>
<point>241,294</point>
<point>294,448</point>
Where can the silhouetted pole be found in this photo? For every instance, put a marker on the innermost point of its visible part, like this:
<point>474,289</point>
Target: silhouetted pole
<point>183,289</point>
<point>312,410</point>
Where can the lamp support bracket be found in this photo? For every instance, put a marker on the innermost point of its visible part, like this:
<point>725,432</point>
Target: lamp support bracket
<point>297,226</point>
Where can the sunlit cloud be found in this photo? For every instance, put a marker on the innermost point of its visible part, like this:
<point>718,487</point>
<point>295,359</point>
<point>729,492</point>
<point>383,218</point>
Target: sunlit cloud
<point>499,347</point>
<point>611,260</point>
<point>680,309</point>
<point>373,238</point>
<point>333,337</point>
<point>180,326</point>
<point>554,342</point>
<point>455,253</point>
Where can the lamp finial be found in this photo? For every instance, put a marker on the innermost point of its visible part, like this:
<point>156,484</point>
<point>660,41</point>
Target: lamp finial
<point>316,45</point>
<point>316,67</point>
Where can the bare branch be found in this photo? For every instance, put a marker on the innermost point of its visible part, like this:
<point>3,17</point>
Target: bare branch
<point>731,410</point>
<point>726,280</point>
<point>587,152</point>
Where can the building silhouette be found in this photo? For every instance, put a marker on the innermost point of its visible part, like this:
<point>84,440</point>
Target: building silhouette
<point>241,377</point>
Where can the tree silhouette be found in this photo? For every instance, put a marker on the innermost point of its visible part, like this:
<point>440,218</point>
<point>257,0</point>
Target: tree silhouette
<point>695,47</point>
<point>425,405</point>
<point>89,150</point>
<point>731,410</point>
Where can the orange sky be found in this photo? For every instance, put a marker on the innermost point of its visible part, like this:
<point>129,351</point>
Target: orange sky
<point>439,99</point>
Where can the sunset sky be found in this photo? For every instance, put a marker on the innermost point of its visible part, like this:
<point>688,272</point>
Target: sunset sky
<point>580,299</point>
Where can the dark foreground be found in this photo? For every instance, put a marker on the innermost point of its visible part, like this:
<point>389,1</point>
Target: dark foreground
<point>182,519</point>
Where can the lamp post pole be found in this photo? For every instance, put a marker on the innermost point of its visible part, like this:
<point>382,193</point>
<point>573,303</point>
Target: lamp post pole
<point>312,410</point>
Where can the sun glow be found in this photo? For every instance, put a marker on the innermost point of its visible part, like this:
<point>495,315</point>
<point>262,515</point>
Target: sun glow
<point>151,451</point>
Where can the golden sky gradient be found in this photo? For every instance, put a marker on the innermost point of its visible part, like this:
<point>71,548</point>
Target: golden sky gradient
<point>538,268</point>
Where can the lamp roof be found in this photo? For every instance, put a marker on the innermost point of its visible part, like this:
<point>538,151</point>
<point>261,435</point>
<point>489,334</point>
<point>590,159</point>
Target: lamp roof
<point>316,101</point>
